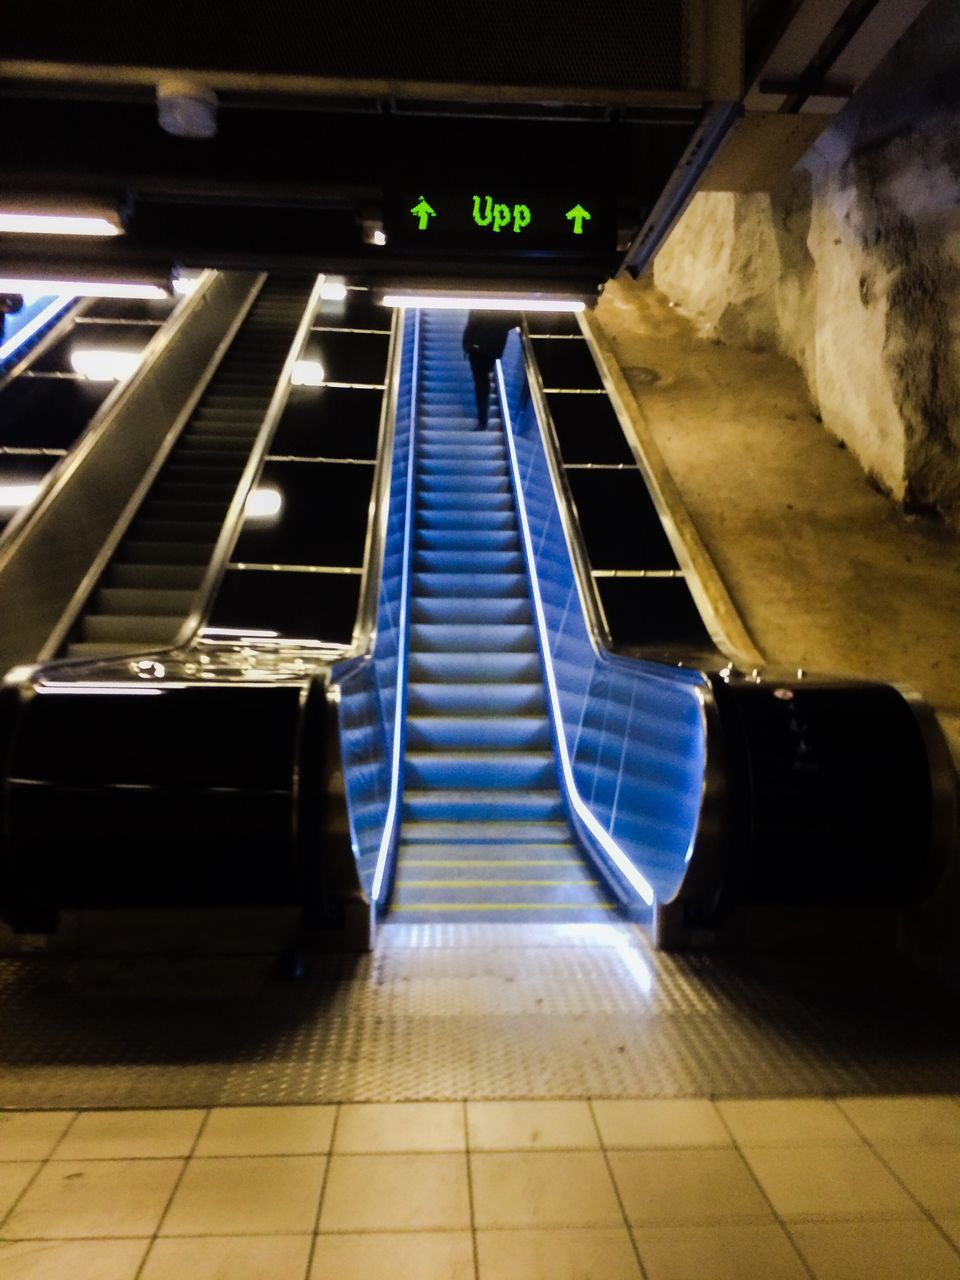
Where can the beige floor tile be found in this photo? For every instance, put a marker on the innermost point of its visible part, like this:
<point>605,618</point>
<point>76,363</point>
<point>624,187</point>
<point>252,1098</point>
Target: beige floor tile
<point>412,1255</point>
<point>229,1258</point>
<point>543,1189</point>
<point>396,1193</point>
<point>130,1135</point>
<point>247,1195</point>
<point>72,1259</point>
<point>876,1251</point>
<point>528,1126</point>
<point>680,1122</point>
<point>913,1119</point>
<point>31,1135</point>
<point>114,1198</point>
<point>719,1252</point>
<point>828,1182</point>
<point>13,1178</point>
<point>267,1131</point>
<point>663,1187</point>
<point>929,1172</point>
<point>584,1254</point>
<point>788,1122</point>
<point>369,1128</point>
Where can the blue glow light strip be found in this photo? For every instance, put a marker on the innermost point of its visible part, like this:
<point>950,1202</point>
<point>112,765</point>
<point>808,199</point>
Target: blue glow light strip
<point>16,340</point>
<point>623,864</point>
<point>400,704</point>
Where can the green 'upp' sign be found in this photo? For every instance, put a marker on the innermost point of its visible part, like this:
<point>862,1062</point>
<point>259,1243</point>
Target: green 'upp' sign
<point>487,220</point>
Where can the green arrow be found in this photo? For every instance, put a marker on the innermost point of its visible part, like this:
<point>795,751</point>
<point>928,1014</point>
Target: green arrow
<point>423,211</point>
<point>579,215</point>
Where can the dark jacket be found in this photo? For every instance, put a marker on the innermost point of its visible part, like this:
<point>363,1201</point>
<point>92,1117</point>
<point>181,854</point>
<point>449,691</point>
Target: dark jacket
<point>486,332</point>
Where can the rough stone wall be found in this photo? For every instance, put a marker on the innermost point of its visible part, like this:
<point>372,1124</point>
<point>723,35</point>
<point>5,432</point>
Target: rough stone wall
<point>852,268</point>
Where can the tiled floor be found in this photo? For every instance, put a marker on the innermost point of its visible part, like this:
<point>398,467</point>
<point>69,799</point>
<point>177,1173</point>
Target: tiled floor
<point>686,1189</point>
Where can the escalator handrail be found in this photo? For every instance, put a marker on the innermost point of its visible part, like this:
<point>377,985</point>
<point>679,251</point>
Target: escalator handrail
<point>365,627</point>
<point>635,878</point>
<point>390,825</point>
<point>586,587</point>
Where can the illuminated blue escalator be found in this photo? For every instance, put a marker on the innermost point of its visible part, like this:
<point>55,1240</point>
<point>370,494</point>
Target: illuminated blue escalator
<point>499,762</point>
<point>483,834</point>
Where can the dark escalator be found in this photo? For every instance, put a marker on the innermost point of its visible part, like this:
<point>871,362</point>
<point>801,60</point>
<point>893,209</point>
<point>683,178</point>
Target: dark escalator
<point>483,835</point>
<point>151,583</point>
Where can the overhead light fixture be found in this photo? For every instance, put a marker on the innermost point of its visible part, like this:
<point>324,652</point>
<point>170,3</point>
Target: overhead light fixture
<point>80,288</point>
<point>263,504</point>
<point>104,364</point>
<point>479,302</point>
<point>307,373</point>
<point>184,283</point>
<point>56,224</point>
<point>333,291</point>
<point>186,109</point>
<point>15,496</point>
<point>371,228</point>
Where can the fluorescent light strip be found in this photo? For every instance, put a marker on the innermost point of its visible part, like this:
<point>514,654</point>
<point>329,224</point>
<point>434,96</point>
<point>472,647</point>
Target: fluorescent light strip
<point>15,496</point>
<point>104,364</point>
<point>96,690</point>
<point>477,302</point>
<point>184,283</point>
<point>400,702</point>
<point>26,332</point>
<point>603,838</point>
<point>53,224</point>
<point>239,631</point>
<point>81,288</point>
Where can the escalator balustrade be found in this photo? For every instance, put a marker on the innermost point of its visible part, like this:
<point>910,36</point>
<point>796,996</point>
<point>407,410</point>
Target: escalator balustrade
<point>151,584</point>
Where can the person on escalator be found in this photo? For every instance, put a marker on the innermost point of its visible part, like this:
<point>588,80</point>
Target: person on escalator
<point>484,338</point>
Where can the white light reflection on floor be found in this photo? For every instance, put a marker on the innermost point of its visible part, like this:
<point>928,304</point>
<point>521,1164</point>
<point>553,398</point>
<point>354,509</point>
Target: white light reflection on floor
<point>603,935</point>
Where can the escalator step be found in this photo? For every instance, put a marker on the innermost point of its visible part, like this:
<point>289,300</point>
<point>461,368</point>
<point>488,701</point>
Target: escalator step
<point>479,637</point>
<point>154,601</point>
<point>143,551</point>
<point>157,508</point>
<point>156,629</point>
<point>177,577</point>
<point>196,531</point>
<point>437,732</point>
<point>517,698</point>
<point>104,648</point>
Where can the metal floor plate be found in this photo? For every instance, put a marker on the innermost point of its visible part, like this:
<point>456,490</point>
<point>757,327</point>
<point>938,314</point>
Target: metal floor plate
<point>444,1011</point>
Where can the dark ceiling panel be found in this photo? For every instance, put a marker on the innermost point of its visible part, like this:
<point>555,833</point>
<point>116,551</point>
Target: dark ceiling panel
<point>617,44</point>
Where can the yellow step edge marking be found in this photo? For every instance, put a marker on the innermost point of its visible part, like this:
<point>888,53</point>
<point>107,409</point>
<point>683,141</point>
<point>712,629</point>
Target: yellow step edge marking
<point>488,862</point>
<point>409,846</point>
<point>403,883</point>
<point>504,906</point>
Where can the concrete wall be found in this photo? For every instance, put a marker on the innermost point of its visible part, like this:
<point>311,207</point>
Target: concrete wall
<point>852,268</point>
